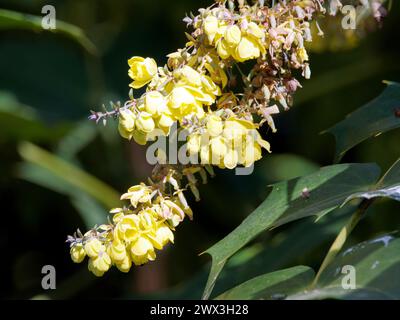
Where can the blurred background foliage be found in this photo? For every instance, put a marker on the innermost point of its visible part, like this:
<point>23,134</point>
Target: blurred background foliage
<point>58,171</point>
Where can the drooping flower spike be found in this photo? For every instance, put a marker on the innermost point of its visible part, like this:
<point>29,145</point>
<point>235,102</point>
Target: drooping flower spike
<point>204,90</point>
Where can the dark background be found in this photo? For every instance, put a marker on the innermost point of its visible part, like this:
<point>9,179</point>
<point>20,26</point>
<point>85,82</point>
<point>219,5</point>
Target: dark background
<point>48,85</point>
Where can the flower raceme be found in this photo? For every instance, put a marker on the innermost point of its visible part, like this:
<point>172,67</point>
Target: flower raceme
<point>137,230</point>
<point>234,74</point>
<point>243,41</point>
<point>227,142</point>
<point>142,71</point>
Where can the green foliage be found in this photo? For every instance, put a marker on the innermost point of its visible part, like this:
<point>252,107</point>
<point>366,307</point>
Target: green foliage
<point>84,190</point>
<point>317,194</point>
<point>47,88</point>
<point>377,265</point>
<point>291,200</point>
<point>274,285</point>
<point>10,20</point>
<point>388,187</point>
<point>69,173</point>
<point>376,117</point>
<point>14,116</point>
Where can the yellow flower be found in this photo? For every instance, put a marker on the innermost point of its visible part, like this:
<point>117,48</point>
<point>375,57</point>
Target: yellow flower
<point>142,251</point>
<point>165,122</point>
<point>163,236</point>
<point>125,265</point>
<point>218,149</point>
<point>138,194</point>
<point>77,253</point>
<point>251,153</point>
<point>126,124</point>
<point>302,54</point>
<point>263,143</point>
<point>94,270</point>
<point>145,122</point>
<point>223,49</point>
<point>127,119</point>
<point>155,103</point>
<point>173,212</point>
<point>211,26</point>
<point>233,35</point>
<point>231,159</point>
<point>142,71</point>
<point>254,30</point>
<point>205,155</point>
<point>210,87</point>
<point>118,214</point>
<point>147,220</point>
<point>93,247</point>
<point>194,143</point>
<point>214,125</point>
<point>251,149</point>
<point>117,251</point>
<point>180,97</point>
<point>127,229</point>
<point>247,49</point>
<point>124,133</point>
<point>100,264</point>
<point>139,137</point>
<point>187,75</point>
<point>235,129</point>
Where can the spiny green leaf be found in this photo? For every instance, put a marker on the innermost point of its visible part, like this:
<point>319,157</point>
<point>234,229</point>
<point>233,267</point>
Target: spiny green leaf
<point>282,250</point>
<point>388,187</point>
<point>288,201</point>
<point>274,285</point>
<point>377,266</point>
<point>376,117</point>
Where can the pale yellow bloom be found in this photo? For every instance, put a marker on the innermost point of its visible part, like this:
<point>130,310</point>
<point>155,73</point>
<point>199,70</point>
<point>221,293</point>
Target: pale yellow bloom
<point>142,71</point>
<point>194,143</point>
<point>187,75</point>
<point>180,97</point>
<point>233,35</point>
<point>145,122</point>
<point>117,251</point>
<point>139,137</point>
<point>124,265</point>
<point>214,125</point>
<point>142,251</point>
<point>163,235</point>
<point>127,119</point>
<point>138,194</point>
<point>93,247</point>
<point>247,49</point>
<point>223,49</point>
<point>231,159</point>
<point>211,26</point>
<point>77,253</point>
<point>100,264</point>
<point>127,229</point>
<point>155,103</point>
<point>218,149</point>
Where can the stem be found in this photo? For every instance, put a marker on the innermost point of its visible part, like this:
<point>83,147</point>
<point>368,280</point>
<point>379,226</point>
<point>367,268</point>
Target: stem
<point>341,238</point>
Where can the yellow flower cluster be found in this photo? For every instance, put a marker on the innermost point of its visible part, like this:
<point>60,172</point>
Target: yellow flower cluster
<point>142,71</point>
<point>197,89</point>
<point>227,143</point>
<point>138,231</point>
<point>172,96</point>
<point>242,41</point>
<point>132,239</point>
